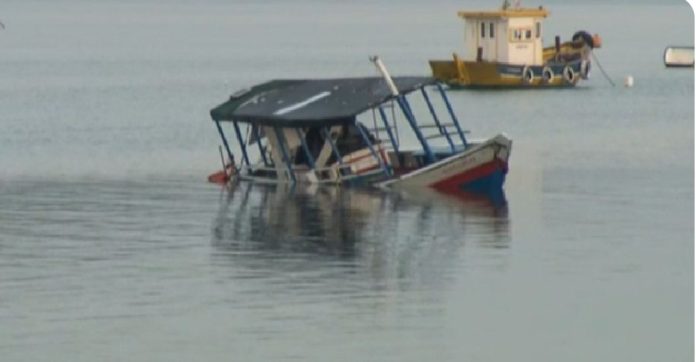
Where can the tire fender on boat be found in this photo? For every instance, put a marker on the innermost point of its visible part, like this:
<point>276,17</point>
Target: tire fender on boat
<point>585,66</point>
<point>527,75</point>
<point>547,74</point>
<point>569,74</point>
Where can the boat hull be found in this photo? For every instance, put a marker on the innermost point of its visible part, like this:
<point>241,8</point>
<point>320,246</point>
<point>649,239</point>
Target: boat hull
<point>480,169</point>
<point>679,57</point>
<point>472,74</point>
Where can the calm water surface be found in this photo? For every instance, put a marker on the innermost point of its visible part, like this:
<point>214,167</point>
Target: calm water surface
<point>112,246</point>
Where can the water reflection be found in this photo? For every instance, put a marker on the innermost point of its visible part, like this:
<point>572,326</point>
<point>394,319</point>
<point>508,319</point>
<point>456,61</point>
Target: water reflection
<point>263,217</point>
<point>392,234</point>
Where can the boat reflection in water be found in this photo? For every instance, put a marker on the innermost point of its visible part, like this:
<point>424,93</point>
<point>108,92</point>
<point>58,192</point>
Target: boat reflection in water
<point>387,235</point>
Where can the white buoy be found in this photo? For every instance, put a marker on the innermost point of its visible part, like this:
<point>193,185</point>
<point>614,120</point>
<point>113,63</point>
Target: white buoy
<point>628,82</point>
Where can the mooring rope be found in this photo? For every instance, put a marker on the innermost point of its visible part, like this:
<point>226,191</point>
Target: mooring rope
<point>602,69</point>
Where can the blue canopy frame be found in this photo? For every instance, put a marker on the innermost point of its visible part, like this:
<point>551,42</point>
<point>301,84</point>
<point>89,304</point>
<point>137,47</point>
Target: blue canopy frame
<point>402,102</point>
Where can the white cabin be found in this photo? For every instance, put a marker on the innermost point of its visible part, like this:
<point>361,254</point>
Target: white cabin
<point>512,36</point>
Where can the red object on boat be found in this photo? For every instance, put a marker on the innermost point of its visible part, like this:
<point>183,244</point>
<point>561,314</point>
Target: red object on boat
<point>223,176</point>
<point>219,177</point>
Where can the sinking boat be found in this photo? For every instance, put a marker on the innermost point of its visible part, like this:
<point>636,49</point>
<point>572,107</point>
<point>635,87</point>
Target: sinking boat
<point>351,131</point>
<point>679,56</point>
<point>504,49</point>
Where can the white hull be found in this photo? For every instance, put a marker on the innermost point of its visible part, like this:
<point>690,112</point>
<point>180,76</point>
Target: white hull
<point>459,168</point>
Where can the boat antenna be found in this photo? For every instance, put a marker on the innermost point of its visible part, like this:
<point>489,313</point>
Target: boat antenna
<point>602,69</point>
<point>383,70</point>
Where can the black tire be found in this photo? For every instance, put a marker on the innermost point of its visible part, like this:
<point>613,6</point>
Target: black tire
<point>547,75</point>
<point>527,75</point>
<point>569,75</point>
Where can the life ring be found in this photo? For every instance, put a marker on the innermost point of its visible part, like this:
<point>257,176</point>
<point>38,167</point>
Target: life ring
<point>569,74</point>
<point>547,74</point>
<point>585,69</point>
<point>527,75</point>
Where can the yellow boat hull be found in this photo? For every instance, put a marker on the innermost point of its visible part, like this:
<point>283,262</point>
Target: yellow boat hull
<point>458,73</point>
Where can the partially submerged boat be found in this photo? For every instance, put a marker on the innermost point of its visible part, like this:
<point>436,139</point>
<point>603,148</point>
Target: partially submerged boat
<point>504,49</point>
<point>350,131</point>
<point>679,56</point>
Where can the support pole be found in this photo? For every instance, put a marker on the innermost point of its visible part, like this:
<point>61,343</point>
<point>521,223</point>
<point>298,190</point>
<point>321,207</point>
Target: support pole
<point>222,158</point>
<point>406,109</point>
<point>454,117</point>
<point>284,152</point>
<point>389,130</point>
<point>224,142</point>
<point>327,135</point>
<point>372,149</point>
<point>241,144</point>
<point>396,124</point>
<point>262,150</point>
<point>437,121</point>
<point>310,159</point>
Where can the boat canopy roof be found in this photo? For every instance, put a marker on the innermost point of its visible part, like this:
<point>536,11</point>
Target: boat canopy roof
<point>311,102</point>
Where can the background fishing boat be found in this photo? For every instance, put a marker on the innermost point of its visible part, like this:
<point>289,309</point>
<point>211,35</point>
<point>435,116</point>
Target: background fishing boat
<point>503,48</point>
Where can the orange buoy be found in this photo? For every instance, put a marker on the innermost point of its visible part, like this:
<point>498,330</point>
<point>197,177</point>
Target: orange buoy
<point>223,176</point>
<point>219,177</point>
<point>597,40</point>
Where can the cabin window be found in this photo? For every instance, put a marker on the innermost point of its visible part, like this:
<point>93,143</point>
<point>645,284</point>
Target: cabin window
<point>483,30</point>
<point>518,35</point>
<point>491,32</point>
<point>538,30</point>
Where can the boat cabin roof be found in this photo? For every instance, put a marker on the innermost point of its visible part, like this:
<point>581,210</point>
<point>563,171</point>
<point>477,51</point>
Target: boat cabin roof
<point>507,13</point>
<point>311,102</point>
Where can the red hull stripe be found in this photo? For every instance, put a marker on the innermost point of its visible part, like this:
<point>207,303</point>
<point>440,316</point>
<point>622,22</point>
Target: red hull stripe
<point>455,182</point>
